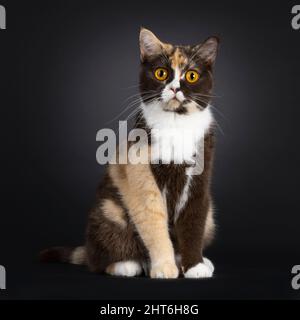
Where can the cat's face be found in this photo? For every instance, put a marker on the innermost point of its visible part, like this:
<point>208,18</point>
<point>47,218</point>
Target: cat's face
<point>179,78</point>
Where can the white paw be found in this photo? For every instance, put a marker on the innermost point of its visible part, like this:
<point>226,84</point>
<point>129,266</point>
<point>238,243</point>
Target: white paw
<point>125,269</point>
<point>166,270</point>
<point>209,264</point>
<point>201,270</point>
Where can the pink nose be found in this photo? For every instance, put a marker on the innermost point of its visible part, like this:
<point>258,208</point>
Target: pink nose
<point>175,89</point>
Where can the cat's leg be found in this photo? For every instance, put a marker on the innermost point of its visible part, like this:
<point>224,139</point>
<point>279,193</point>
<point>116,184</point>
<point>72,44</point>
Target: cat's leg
<point>190,228</point>
<point>112,243</point>
<point>209,231</point>
<point>147,211</point>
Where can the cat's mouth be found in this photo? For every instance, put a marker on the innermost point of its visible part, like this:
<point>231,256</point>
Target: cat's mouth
<point>174,99</point>
<point>173,104</point>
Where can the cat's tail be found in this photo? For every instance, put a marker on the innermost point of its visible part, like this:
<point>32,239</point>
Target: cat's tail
<point>75,255</point>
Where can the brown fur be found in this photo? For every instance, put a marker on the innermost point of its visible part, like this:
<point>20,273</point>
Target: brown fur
<point>190,226</point>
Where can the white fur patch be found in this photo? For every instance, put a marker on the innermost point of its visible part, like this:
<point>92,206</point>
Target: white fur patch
<point>175,136</point>
<point>209,264</point>
<point>126,269</point>
<point>164,195</point>
<point>185,193</point>
<point>168,93</point>
<point>201,270</point>
<point>78,256</point>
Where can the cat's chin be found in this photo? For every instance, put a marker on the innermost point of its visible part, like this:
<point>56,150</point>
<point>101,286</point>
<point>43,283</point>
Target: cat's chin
<point>172,105</point>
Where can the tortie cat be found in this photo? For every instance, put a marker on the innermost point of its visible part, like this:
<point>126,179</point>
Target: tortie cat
<point>157,218</point>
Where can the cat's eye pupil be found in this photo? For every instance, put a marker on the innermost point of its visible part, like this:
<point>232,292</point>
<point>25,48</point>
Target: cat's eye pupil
<point>161,74</point>
<point>192,76</point>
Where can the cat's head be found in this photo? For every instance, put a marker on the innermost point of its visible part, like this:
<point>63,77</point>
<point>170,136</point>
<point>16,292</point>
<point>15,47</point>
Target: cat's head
<point>179,78</point>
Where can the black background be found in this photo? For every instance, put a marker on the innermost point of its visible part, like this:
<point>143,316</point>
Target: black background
<point>66,69</point>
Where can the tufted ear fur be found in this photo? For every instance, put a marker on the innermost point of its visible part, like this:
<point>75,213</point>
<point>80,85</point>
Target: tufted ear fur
<point>150,45</point>
<point>207,51</point>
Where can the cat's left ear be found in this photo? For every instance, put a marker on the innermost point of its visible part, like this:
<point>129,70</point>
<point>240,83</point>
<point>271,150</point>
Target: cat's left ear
<point>207,51</point>
<point>150,45</point>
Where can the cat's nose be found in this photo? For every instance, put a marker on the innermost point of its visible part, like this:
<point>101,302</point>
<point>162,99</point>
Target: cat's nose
<point>175,90</point>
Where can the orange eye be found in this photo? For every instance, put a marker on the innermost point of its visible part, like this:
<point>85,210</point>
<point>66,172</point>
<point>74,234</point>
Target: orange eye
<point>161,74</point>
<point>192,76</point>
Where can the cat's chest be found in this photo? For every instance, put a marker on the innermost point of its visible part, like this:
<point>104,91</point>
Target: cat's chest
<point>175,183</point>
<point>176,142</point>
<point>175,137</point>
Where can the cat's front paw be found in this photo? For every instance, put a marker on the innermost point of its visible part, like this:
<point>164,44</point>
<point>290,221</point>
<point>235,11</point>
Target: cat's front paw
<point>200,270</point>
<point>165,270</point>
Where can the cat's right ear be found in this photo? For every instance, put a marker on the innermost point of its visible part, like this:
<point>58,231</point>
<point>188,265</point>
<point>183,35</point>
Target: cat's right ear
<point>207,50</point>
<point>150,45</point>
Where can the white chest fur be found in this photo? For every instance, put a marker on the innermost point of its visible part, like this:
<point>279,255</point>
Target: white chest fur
<point>175,137</point>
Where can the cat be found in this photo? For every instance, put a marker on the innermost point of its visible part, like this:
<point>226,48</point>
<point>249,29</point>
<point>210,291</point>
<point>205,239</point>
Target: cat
<point>157,218</point>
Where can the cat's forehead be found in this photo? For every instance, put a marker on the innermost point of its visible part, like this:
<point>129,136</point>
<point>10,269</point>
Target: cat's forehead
<point>179,56</point>
<point>178,59</point>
